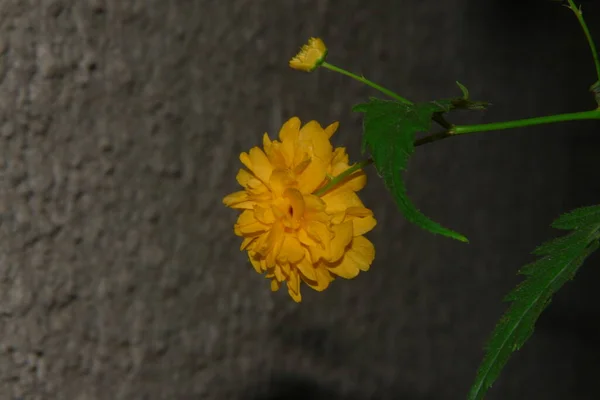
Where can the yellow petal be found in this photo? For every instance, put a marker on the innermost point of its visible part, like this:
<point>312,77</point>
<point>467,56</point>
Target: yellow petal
<point>330,130</point>
<point>307,268</point>
<point>319,233</point>
<point>261,166</point>
<point>275,241</point>
<point>340,157</point>
<point>239,200</point>
<point>305,239</point>
<point>312,177</point>
<point>323,278</point>
<point>264,215</point>
<point>243,177</point>
<point>361,252</point>
<point>280,181</point>
<point>340,200</point>
<point>293,285</point>
<point>315,140</point>
<point>338,218</point>
<point>246,242</point>
<point>363,225</point>
<point>266,141</point>
<point>343,236</point>
<point>290,129</point>
<point>255,261</point>
<point>291,250</point>
<point>278,272</point>
<point>345,268</point>
<point>362,220</point>
<point>245,159</point>
<point>299,169</point>
<point>275,285</point>
<point>314,203</point>
<point>276,155</point>
<point>247,224</point>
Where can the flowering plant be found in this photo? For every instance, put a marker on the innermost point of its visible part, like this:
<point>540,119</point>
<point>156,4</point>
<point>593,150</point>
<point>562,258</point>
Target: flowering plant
<point>302,221</point>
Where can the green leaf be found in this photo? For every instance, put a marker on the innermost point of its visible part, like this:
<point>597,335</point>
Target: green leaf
<point>595,89</point>
<point>465,103</point>
<point>389,132</point>
<point>464,90</point>
<point>576,218</point>
<point>559,262</point>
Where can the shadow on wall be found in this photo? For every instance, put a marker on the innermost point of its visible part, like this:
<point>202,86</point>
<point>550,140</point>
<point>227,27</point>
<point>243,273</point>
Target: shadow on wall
<point>292,387</point>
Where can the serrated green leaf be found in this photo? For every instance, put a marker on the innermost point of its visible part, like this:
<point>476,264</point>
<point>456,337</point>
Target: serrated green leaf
<point>577,218</point>
<point>389,132</point>
<point>560,261</point>
<point>595,89</point>
<point>563,243</point>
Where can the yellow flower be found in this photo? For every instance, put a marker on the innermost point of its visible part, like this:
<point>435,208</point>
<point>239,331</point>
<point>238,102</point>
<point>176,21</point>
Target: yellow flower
<point>311,55</point>
<point>291,234</point>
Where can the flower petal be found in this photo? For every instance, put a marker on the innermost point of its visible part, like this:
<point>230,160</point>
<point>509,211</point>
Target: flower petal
<point>305,239</point>
<point>275,241</point>
<point>362,220</point>
<point>261,166</point>
<point>246,242</point>
<point>290,129</point>
<point>315,141</point>
<point>319,233</point>
<point>323,278</point>
<point>306,267</point>
<point>256,262</point>
<point>293,285</point>
<point>264,215</point>
<point>340,200</point>
<point>291,250</point>
<point>247,224</point>
<point>331,129</point>
<point>243,177</point>
<point>275,285</point>
<point>361,252</point>
<point>343,236</point>
<point>239,200</point>
<point>345,268</point>
<point>312,177</point>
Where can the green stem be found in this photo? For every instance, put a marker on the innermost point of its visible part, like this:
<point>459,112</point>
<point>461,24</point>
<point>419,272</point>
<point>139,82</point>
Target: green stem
<point>496,126</point>
<point>588,35</point>
<point>437,118</point>
<point>366,82</point>
<point>337,179</point>
<point>431,138</point>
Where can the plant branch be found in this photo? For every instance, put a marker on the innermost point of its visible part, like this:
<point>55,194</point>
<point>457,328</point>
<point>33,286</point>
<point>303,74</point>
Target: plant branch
<point>339,178</point>
<point>577,11</point>
<point>496,126</point>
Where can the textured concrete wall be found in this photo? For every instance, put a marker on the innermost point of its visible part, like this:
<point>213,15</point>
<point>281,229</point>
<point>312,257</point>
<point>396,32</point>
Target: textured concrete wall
<point>120,126</point>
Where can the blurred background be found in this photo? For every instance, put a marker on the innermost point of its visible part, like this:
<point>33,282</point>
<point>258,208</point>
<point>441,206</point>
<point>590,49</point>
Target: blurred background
<point>121,123</point>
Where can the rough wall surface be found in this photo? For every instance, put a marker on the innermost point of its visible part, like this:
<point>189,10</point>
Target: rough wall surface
<point>120,126</point>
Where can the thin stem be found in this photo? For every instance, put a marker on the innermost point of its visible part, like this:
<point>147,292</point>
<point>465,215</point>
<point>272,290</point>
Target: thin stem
<point>496,126</point>
<point>337,179</point>
<point>366,82</point>
<point>588,35</point>
<point>431,138</point>
<point>437,117</point>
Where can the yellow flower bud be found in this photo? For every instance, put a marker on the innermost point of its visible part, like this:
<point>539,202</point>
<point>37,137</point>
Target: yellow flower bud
<point>311,55</point>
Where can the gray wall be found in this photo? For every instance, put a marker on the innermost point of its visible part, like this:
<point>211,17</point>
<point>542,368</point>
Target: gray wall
<point>121,124</point>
